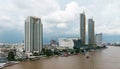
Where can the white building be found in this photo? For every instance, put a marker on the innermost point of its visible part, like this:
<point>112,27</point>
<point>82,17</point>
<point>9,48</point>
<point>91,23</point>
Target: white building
<point>98,39</point>
<point>33,34</point>
<point>67,42</point>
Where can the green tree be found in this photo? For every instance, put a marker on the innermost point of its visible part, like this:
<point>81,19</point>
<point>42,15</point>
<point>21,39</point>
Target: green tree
<point>48,52</point>
<point>11,56</point>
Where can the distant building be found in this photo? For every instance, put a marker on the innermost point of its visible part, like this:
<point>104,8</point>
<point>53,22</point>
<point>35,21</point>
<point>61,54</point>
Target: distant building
<point>91,35</point>
<point>83,28</point>
<point>3,59</point>
<point>5,45</point>
<point>68,42</point>
<point>33,34</point>
<point>77,44</point>
<point>53,43</point>
<point>98,39</point>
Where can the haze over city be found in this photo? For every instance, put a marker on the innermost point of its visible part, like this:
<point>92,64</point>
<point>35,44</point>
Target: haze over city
<point>59,18</point>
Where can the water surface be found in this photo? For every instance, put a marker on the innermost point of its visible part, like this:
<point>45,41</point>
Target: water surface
<point>101,59</point>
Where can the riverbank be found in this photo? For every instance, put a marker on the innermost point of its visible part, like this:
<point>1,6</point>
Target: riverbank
<point>65,53</point>
<point>99,59</point>
<point>9,63</point>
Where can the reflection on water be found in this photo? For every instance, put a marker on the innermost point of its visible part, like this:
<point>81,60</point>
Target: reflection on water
<point>101,59</point>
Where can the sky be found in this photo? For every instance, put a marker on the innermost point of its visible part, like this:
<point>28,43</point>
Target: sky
<point>60,18</point>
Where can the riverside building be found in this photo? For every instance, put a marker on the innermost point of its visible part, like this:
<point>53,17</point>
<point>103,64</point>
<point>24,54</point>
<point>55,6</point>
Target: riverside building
<point>98,39</point>
<point>69,42</point>
<point>33,34</point>
<point>91,35</point>
<point>83,28</point>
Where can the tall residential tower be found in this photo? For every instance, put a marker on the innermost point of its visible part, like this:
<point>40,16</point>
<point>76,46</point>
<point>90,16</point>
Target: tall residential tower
<point>83,28</point>
<point>33,34</point>
<point>91,32</point>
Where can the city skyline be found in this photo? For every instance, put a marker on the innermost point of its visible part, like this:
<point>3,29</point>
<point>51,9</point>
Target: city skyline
<point>62,16</point>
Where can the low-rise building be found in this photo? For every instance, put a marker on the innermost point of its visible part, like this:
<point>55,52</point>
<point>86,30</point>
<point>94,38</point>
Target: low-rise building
<point>68,42</point>
<point>98,39</point>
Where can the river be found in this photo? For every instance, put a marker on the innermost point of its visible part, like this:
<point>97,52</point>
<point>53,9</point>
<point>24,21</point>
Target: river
<point>101,59</point>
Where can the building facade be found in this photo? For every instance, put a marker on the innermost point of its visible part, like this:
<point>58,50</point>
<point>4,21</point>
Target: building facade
<point>83,28</point>
<point>91,35</point>
<point>67,42</point>
<point>33,34</point>
<point>98,39</point>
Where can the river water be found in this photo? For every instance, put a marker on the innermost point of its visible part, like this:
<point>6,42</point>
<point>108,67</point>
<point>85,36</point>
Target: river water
<point>101,59</point>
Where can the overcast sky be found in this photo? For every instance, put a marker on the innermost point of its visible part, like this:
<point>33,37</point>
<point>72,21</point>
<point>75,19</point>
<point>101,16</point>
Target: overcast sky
<point>59,17</point>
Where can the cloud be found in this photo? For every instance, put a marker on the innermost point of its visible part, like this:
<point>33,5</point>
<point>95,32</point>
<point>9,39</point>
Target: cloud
<point>70,12</point>
<point>14,12</point>
<point>108,20</point>
<point>61,25</point>
<point>63,20</point>
<point>56,17</point>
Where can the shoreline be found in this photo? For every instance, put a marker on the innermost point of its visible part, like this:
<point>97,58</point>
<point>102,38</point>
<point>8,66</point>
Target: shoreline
<point>9,63</point>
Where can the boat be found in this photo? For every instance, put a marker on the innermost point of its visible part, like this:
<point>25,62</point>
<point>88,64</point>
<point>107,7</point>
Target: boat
<point>87,57</point>
<point>64,54</point>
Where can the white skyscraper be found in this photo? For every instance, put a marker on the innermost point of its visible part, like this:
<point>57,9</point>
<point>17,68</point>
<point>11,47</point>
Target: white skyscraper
<point>33,34</point>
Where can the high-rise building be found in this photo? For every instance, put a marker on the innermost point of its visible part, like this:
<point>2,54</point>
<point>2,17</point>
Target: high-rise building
<point>91,32</point>
<point>83,28</point>
<point>33,34</point>
<point>98,39</point>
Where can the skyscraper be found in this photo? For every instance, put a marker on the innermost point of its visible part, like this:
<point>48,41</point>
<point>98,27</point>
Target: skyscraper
<point>91,32</point>
<point>98,39</point>
<point>83,28</point>
<point>33,34</point>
